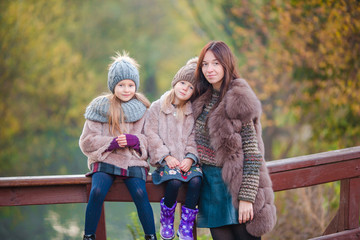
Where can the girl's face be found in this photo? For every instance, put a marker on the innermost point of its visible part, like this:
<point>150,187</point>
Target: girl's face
<point>183,91</point>
<point>125,90</point>
<point>212,70</point>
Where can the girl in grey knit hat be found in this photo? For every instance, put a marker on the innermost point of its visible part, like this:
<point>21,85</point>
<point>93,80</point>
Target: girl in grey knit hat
<point>115,145</point>
<point>172,150</point>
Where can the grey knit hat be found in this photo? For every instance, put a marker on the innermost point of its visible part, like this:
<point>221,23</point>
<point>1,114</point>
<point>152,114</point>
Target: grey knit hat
<point>123,67</point>
<point>186,73</point>
<point>98,110</point>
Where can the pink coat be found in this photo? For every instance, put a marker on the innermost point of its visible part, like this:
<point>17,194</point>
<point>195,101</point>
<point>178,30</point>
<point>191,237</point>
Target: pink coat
<point>167,135</point>
<point>96,138</point>
<point>239,105</point>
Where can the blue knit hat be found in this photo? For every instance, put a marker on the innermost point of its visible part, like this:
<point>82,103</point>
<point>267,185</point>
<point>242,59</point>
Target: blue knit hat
<point>123,67</point>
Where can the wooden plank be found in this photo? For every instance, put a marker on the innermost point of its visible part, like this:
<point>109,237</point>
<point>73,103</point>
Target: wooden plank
<point>44,180</point>
<point>39,195</point>
<point>101,229</point>
<point>354,201</point>
<point>309,176</point>
<point>353,234</point>
<point>119,192</point>
<point>313,159</point>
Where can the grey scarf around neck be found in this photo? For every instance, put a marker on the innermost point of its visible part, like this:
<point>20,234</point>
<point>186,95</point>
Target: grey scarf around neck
<point>98,110</point>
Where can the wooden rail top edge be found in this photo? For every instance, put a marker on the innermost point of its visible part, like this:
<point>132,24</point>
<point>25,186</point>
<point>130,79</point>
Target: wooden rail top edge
<point>24,181</point>
<point>275,166</point>
<point>313,159</point>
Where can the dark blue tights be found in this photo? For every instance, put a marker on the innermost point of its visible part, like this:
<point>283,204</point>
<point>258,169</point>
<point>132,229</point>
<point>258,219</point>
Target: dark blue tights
<point>192,195</point>
<point>100,185</point>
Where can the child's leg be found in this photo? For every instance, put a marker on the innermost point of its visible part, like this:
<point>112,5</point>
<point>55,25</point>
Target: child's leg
<point>167,207</point>
<point>100,185</point>
<point>193,193</point>
<point>189,211</point>
<point>171,192</point>
<point>136,187</point>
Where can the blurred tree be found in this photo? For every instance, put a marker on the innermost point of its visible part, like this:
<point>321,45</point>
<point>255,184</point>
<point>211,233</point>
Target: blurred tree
<point>302,58</point>
<point>54,57</point>
<point>41,81</point>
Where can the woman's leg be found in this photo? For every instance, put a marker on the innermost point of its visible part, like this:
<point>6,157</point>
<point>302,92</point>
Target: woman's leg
<point>100,185</point>
<point>136,187</point>
<point>193,193</point>
<point>237,231</point>
<point>240,232</point>
<point>221,233</point>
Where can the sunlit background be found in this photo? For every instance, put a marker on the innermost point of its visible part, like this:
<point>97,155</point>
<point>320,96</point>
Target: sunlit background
<point>301,57</point>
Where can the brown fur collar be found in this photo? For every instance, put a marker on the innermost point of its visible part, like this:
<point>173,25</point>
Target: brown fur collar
<point>240,101</point>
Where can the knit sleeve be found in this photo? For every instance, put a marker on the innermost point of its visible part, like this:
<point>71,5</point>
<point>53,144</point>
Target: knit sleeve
<point>252,163</point>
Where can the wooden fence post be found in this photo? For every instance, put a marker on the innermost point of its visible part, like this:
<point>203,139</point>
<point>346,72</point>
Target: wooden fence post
<point>101,229</point>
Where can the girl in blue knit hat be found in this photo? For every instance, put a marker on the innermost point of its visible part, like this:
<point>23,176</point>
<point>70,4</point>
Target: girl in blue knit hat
<point>114,143</point>
<point>172,149</point>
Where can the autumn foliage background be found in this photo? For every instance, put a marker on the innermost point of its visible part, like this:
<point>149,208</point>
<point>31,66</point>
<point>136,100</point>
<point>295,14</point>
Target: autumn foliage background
<point>301,57</point>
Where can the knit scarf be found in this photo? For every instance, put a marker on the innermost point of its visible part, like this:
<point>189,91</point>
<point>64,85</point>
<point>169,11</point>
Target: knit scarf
<point>98,110</point>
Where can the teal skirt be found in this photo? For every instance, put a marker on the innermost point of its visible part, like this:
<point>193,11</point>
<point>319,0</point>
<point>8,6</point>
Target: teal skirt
<point>163,174</point>
<point>215,204</point>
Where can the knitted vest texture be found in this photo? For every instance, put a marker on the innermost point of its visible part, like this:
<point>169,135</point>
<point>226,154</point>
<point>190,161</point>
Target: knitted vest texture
<point>205,151</point>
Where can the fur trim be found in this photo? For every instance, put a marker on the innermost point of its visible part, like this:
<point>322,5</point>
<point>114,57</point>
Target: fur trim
<point>241,102</point>
<point>239,105</point>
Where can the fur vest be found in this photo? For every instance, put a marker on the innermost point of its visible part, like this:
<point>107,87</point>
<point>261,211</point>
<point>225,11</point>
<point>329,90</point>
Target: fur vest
<point>167,134</point>
<point>239,106</point>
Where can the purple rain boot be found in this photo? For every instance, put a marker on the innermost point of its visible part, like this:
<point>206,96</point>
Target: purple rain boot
<point>167,221</point>
<point>188,216</point>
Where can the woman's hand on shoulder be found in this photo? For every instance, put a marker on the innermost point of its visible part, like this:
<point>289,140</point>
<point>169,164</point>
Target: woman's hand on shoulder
<point>246,211</point>
<point>172,162</point>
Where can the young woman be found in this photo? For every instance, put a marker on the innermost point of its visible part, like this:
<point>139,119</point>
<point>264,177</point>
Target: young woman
<point>236,200</point>
<point>115,145</point>
<point>172,149</point>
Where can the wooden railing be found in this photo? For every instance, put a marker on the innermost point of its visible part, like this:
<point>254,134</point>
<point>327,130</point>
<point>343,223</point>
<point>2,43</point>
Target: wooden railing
<point>340,165</point>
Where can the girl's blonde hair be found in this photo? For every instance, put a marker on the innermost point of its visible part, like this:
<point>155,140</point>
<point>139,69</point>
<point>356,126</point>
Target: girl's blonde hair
<point>169,99</point>
<point>116,114</point>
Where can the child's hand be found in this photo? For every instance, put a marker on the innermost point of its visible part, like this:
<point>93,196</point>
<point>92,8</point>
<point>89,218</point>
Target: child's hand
<point>121,140</point>
<point>172,162</point>
<point>185,165</point>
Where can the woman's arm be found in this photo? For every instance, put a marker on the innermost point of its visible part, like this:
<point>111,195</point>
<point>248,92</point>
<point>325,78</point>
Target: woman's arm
<point>251,172</point>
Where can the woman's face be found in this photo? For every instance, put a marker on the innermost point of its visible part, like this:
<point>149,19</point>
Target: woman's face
<point>212,70</point>
<point>125,90</point>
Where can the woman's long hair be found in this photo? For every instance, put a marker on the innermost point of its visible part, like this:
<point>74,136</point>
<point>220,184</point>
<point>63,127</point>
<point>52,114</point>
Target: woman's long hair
<point>116,114</point>
<point>227,60</point>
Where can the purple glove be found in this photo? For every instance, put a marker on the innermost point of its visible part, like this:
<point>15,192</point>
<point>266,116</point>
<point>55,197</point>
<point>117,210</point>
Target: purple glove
<point>113,145</point>
<point>133,141</point>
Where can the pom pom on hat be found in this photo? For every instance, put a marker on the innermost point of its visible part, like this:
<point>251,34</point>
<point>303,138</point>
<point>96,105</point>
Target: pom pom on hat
<point>123,67</point>
<point>186,73</point>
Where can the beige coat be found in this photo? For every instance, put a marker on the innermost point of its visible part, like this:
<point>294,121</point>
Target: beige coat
<point>167,135</point>
<point>96,138</point>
